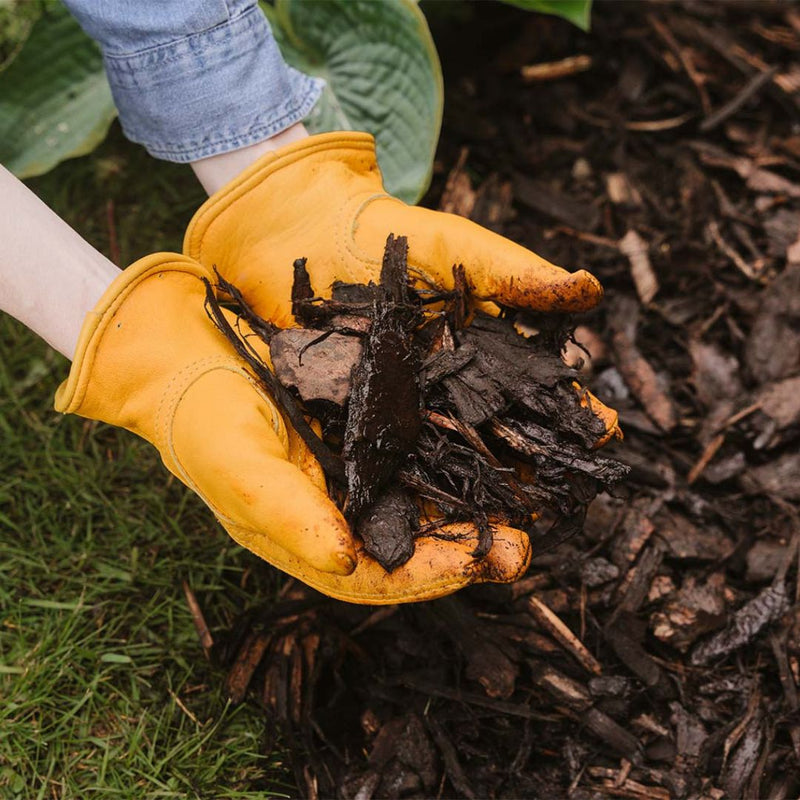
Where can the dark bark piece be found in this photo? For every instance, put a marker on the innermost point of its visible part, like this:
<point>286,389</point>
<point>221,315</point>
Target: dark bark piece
<point>613,734</point>
<point>394,270</point>
<point>780,401</point>
<point>457,308</point>
<point>746,623</point>
<point>531,439</point>
<point>632,653</point>
<point>780,477</point>
<point>541,197</point>
<point>778,320</point>
<point>387,528</point>
<point>687,540</point>
<point>384,416</point>
<point>476,396</point>
<point>404,743</point>
<point>696,609</point>
<point>455,772</point>
<point>445,363</point>
<point>354,294</point>
<point>488,662</point>
<point>764,559</point>
<point>744,759</point>
<point>303,307</point>
<point>247,661</point>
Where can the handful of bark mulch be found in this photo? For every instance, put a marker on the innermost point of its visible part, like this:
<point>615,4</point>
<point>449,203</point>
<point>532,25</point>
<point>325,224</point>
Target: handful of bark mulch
<point>426,420</point>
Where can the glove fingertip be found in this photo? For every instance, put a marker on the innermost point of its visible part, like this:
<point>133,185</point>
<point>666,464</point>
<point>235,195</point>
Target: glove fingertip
<point>508,559</point>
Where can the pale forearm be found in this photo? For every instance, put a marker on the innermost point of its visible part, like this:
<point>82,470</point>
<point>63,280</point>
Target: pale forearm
<point>49,276</point>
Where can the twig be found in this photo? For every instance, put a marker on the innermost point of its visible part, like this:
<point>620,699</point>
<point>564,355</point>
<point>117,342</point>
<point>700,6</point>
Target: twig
<point>247,661</point>
<point>641,126</point>
<point>450,757</point>
<point>553,624</point>
<point>552,70</point>
<point>751,88</point>
<point>206,641</point>
<point>374,618</point>
<point>694,76</point>
<point>708,453</point>
<point>183,708</point>
<point>591,238</point>
<point>740,415</point>
<point>473,698</point>
<point>739,262</point>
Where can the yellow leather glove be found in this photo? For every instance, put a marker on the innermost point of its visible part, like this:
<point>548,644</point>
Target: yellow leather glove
<point>150,360</point>
<point>323,198</point>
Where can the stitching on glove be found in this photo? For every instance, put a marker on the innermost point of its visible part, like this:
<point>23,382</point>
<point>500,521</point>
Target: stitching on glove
<point>345,235</point>
<point>174,393</point>
<point>268,165</point>
<point>348,247</point>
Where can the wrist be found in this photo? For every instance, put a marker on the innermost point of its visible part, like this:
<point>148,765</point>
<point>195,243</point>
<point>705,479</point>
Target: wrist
<point>215,172</point>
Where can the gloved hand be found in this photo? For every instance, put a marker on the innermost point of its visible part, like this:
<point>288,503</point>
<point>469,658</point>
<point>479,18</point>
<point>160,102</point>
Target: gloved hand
<point>150,360</point>
<point>323,198</point>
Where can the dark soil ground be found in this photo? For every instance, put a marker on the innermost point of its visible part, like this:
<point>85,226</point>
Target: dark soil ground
<point>655,655</point>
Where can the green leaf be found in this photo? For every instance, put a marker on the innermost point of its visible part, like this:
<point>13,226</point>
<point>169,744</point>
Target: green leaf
<point>55,102</point>
<point>578,12</point>
<point>16,20</point>
<point>383,76</point>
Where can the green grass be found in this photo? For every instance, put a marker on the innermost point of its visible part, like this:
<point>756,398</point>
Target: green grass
<point>98,652</point>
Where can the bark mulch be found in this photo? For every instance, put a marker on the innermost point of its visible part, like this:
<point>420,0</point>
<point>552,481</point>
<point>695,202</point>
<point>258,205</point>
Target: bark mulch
<point>655,654</point>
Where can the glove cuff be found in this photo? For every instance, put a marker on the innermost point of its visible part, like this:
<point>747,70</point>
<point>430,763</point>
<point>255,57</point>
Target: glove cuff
<point>71,393</point>
<point>301,164</point>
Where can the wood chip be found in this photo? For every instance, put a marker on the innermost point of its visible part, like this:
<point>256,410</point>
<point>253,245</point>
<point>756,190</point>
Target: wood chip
<point>206,640</point>
<point>708,453</point>
<point>635,249</point>
<point>547,200</point>
<point>552,70</point>
<point>553,625</point>
<point>637,372</point>
<point>621,191</point>
<point>764,608</point>
<point>697,608</point>
<point>458,196</point>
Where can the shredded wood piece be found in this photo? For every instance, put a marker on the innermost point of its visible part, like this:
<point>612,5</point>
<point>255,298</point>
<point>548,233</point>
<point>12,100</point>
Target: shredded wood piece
<point>206,641</point>
<point>552,70</point>
<point>568,640</point>
<point>634,248</point>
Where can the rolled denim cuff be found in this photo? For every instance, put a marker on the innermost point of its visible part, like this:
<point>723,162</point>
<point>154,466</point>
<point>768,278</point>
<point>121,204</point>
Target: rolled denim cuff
<point>209,92</point>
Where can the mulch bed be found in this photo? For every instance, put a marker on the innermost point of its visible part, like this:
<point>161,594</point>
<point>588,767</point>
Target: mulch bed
<point>655,654</point>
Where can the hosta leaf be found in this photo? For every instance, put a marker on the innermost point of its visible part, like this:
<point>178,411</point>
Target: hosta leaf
<point>578,12</point>
<point>383,76</point>
<point>55,102</point>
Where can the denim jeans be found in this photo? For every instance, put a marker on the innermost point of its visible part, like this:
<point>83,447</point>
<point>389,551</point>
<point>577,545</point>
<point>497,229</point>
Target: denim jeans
<point>194,78</point>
